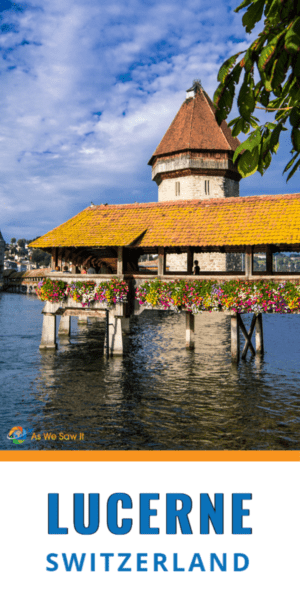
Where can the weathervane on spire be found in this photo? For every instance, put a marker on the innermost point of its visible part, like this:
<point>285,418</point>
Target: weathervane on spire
<point>196,87</point>
<point>197,82</point>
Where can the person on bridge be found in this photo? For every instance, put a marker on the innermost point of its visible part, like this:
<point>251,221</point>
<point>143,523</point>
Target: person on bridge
<point>196,268</point>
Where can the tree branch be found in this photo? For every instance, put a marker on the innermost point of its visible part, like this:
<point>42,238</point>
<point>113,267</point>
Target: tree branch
<point>263,108</point>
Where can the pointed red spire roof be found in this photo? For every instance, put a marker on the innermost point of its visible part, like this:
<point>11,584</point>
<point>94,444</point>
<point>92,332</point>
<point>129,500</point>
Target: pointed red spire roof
<point>195,128</point>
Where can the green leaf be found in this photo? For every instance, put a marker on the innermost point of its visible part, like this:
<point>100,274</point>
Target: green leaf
<point>235,74</point>
<point>224,94</point>
<point>249,144</point>
<point>253,14</point>
<point>293,171</point>
<point>277,91</point>
<point>227,66</point>
<point>265,157</point>
<point>290,163</point>
<point>296,138</point>
<point>274,141</point>
<point>264,98</point>
<point>270,126</point>
<point>246,99</point>
<point>282,115</point>
<point>279,69</point>
<point>268,52</point>
<point>243,5</point>
<point>295,116</point>
<point>238,127</point>
<point>248,162</point>
<point>265,146</point>
<point>289,9</point>
<point>233,122</point>
<point>223,98</point>
<point>296,65</point>
<point>245,127</point>
<point>266,82</point>
<point>247,62</point>
<point>267,160</point>
<point>295,92</point>
<point>288,84</point>
<point>272,11</point>
<point>292,37</point>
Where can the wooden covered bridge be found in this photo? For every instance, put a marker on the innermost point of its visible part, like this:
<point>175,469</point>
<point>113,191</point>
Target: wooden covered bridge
<point>112,238</point>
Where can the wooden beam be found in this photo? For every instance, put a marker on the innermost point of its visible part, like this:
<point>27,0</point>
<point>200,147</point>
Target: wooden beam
<point>247,335</point>
<point>248,261</point>
<point>259,336</point>
<point>235,338</point>
<point>120,264</point>
<point>131,259</point>
<point>161,270</point>
<point>269,260</point>
<point>53,258</point>
<point>59,257</point>
<point>190,329</point>
<point>190,256</point>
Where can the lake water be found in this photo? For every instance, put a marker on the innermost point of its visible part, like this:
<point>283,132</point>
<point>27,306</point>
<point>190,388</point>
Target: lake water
<point>158,396</point>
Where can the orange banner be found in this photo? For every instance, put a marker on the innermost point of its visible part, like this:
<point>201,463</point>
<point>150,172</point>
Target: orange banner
<point>149,456</point>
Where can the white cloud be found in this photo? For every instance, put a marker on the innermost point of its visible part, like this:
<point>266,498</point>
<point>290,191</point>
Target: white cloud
<point>90,89</point>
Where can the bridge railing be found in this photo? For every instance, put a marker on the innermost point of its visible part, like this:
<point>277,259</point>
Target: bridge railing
<point>215,275</point>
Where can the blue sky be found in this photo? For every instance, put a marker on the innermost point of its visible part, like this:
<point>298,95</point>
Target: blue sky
<point>89,89</point>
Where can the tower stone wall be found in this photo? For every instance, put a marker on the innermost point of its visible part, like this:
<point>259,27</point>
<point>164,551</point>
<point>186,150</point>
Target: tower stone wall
<point>194,187</point>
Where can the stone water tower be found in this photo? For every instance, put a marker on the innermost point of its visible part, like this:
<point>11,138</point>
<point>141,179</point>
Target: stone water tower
<point>193,161</point>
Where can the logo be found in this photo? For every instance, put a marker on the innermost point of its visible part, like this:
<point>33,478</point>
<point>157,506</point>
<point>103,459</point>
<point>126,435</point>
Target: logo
<point>17,435</point>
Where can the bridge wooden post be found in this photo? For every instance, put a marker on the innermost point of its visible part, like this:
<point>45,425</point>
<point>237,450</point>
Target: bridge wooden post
<point>120,261</point>
<point>190,330</point>
<point>115,336</point>
<point>259,336</point>
<point>235,338</point>
<point>64,325</point>
<point>269,260</point>
<point>190,256</point>
<point>249,261</point>
<point>48,341</point>
<point>161,268</point>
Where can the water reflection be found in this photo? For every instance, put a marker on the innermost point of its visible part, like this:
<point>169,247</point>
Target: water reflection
<point>159,395</point>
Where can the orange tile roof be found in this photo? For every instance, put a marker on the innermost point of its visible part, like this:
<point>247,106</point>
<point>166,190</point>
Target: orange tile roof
<point>216,222</point>
<point>195,128</point>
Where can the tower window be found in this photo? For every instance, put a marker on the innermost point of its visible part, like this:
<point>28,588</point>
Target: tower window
<point>206,187</point>
<point>177,188</point>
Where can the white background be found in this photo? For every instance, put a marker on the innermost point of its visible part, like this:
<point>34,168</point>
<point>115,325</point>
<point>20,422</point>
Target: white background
<point>273,548</point>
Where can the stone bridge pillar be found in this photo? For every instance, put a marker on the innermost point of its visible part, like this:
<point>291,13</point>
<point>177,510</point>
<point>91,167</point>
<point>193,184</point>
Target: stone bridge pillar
<point>115,335</point>
<point>64,325</point>
<point>48,341</point>
<point>190,329</point>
